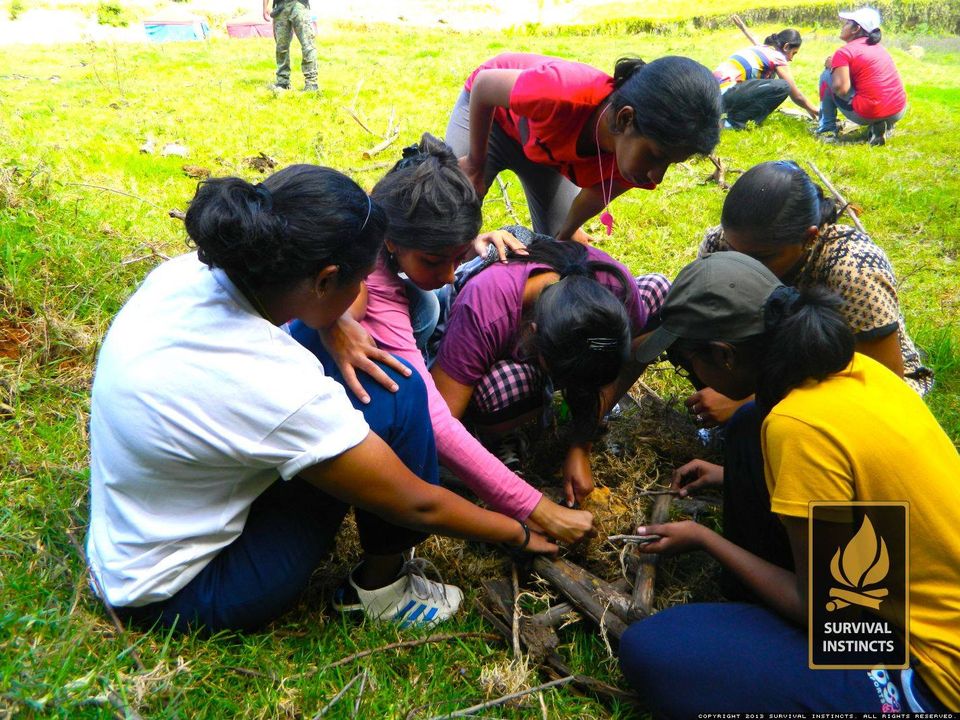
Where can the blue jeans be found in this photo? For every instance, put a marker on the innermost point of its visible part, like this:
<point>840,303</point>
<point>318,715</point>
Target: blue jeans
<point>424,307</point>
<point>830,103</point>
<point>738,657</point>
<point>292,526</point>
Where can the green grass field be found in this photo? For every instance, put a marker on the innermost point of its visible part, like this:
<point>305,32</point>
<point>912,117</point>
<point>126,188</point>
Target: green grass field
<point>84,217</point>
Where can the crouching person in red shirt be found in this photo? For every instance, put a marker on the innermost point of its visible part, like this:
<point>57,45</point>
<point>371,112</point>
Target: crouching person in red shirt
<point>861,81</point>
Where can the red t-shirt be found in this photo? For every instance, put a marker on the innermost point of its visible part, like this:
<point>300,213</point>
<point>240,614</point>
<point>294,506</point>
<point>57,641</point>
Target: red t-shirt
<point>879,89</point>
<point>549,105</point>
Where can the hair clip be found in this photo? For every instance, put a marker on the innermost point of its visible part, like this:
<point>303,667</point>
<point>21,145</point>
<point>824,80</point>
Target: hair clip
<point>602,343</point>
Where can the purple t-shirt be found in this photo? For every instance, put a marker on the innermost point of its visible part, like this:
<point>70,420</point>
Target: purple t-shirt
<point>485,320</point>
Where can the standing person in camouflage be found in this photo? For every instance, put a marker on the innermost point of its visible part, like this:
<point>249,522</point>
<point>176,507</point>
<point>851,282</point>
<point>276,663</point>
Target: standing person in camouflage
<point>289,17</point>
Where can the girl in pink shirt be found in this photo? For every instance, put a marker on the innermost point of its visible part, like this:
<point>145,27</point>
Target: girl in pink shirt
<point>434,217</point>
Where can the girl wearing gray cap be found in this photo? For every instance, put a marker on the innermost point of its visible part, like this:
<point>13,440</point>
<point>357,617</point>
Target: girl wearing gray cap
<point>838,427</point>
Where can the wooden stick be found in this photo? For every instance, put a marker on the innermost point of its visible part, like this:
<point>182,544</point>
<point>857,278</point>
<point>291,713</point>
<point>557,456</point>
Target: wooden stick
<point>555,614</point>
<point>336,698</point>
<point>112,190</point>
<point>743,28</point>
<point>846,206</point>
<point>595,597</point>
<point>381,146</point>
<point>654,493</point>
<point>410,643</point>
<point>506,200</point>
<point>505,699</point>
<point>642,601</point>
<point>515,624</point>
<point>121,630</point>
<point>363,686</point>
<point>639,539</point>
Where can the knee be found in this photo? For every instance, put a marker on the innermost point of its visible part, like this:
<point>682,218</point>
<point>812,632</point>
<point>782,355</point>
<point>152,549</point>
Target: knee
<point>641,653</point>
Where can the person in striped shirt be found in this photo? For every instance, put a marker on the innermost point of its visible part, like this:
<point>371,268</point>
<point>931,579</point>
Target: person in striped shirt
<point>756,80</point>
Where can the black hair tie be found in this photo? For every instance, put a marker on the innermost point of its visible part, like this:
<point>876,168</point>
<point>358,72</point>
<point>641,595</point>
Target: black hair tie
<point>780,304</point>
<point>412,156</point>
<point>574,268</point>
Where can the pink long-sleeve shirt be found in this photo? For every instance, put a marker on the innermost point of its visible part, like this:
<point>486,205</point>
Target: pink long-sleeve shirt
<point>387,319</point>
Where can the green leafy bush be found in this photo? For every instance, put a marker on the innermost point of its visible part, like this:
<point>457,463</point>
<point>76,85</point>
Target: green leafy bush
<point>110,13</point>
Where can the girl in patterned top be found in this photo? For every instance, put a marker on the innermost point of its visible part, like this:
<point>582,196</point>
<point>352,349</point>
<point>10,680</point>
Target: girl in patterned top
<point>778,215</point>
<point>756,80</point>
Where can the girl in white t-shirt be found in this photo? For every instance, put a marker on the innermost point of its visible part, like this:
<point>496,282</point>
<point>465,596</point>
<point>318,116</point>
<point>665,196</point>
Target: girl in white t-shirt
<point>224,455</point>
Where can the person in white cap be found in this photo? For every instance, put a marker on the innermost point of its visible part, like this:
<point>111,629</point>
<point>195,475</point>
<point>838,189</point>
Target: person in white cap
<point>861,81</point>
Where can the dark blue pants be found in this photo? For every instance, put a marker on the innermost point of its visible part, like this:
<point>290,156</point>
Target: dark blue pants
<point>737,657</point>
<point>292,525</point>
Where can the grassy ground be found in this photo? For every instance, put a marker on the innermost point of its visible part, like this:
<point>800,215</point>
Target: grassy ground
<point>72,250</point>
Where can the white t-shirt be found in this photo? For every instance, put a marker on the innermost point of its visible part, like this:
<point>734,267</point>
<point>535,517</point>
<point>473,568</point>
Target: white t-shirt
<point>199,404</point>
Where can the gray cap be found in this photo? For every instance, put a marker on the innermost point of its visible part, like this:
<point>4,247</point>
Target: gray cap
<point>719,297</point>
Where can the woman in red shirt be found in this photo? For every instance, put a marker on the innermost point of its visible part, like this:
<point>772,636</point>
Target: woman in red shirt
<point>861,80</point>
<point>578,138</point>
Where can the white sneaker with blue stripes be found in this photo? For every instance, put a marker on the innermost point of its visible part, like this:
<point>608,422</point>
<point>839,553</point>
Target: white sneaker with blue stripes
<point>412,599</point>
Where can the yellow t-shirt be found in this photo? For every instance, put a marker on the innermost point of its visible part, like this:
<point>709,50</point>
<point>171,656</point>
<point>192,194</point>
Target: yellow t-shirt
<point>863,434</point>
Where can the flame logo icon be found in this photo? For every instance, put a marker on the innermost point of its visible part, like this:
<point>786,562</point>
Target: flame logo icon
<point>858,567</point>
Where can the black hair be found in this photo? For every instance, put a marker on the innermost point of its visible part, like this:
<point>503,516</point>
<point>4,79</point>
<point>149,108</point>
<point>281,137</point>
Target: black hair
<point>873,37</point>
<point>806,338</point>
<point>583,336</point>
<point>289,227</point>
<point>782,39</point>
<point>429,202</point>
<point>676,102</point>
<point>582,330</point>
<point>776,202</point>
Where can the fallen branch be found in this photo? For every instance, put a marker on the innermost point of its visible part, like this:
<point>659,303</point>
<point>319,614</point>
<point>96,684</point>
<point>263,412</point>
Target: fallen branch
<point>363,686</point>
<point>641,603</point>
<point>846,207</point>
<point>506,200</point>
<point>121,630</point>
<point>360,122</point>
<point>410,643</point>
<point>743,28</point>
<point>719,175</point>
<point>370,168</point>
<point>177,214</point>
<point>515,617</point>
<point>595,597</point>
<point>540,642</point>
<point>555,614</point>
<point>113,190</point>
<point>505,699</point>
<point>336,698</point>
<point>381,146</point>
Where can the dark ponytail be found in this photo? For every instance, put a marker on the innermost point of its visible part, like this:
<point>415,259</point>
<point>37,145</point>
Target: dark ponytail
<point>806,338</point>
<point>775,203</point>
<point>676,102</point>
<point>874,37</point>
<point>784,38</point>
<point>565,257</point>
<point>430,204</point>
<point>583,337</point>
<point>287,228</point>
